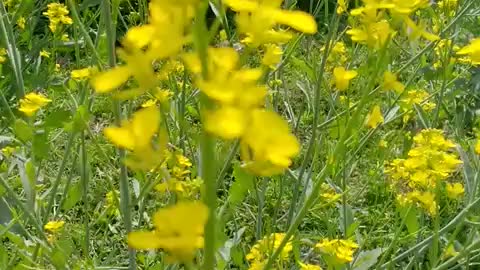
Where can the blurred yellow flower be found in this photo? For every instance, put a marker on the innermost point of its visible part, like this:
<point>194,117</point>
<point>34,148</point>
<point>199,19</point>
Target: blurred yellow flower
<point>374,118</point>
<point>477,147</point>
<point>44,53</point>
<point>342,77</point>
<point>54,226</point>
<point>3,54</point>
<point>272,56</point>
<point>32,102</point>
<point>390,82</point>
<point>178,230</point>
<point>472,51</point>
<point>260,252</point>
<point>304,266</point>
<point>81,74</point>
<point>455,190</point>
<point>337,250</point>
<point>21,23</point>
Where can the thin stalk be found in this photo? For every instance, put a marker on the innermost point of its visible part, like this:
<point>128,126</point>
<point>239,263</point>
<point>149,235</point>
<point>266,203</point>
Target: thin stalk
<point>207,144</point>
<point>316,116</point>
<point>6,33</point>
<point>117,110</point>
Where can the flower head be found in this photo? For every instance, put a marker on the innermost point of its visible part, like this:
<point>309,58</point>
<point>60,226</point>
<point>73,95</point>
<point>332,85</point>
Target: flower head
<point>338,251</point>
<point>54,226</point>
<point>374,118</point>
<point>58,15</point>
<point>342,77</point>
<point>472,51</point>
<point>178,230</point>
<point>32,102</point>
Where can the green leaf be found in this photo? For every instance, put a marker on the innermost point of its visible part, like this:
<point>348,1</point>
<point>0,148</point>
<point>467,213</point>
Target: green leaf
<point>367,259</point>
<point>243,183</point>
<point>302,66</point>
<point>80,120</point>
<point>411,220</point>
<point>22,130</point>
<point>74,195</point>
<point>40,145</point>
<point>57,119</point>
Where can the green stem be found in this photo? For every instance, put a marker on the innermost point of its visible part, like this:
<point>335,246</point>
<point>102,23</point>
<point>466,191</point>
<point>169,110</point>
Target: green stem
<point>6,33</point>
<point>207,144</point>
<point>117,110</point>
<point>459,256</point>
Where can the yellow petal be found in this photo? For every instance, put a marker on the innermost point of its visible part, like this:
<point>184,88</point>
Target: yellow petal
<point>298,20</point>
<point>144,125</point>
<point>143,240</point>
<point>111,79</point>
<point>120,136</point>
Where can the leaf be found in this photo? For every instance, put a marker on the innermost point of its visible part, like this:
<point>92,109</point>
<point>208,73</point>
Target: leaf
<point>367,259</point>
<point>22,130</point>
<point>73,196</point>
<point>349,218</point>
<point>243,183</point>
<point>57,119</point>
<point>40,145</point>
<point>79,121</point>
<point>411,220</point>
<point>303,67</point>
<point>391,115</point>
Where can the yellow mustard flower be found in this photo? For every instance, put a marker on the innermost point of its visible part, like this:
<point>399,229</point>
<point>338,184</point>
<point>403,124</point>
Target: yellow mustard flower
<point>3,55</point>
<point>341,6</point>
<point>32,102</point>
<point>58,15</point>
<point>81,74</point>
<point>44,53</point>
<point>21,23</point>
<point>342,77</point>
<point>54,226</point>
<point>272,56</point>
<point>455,190</point>
<point>472,51</point>
<point>374,118</point>
<point>267,147</point>
<point>136,135</point>
<point>375,35</point>
<point>264,247</point>
<point>257,19</point>
<point>328,194</point>
<point>178,230</point>
<point>306,266</point>
<point>390,82</point>
<point>337,251</point>
<point>477,147</point>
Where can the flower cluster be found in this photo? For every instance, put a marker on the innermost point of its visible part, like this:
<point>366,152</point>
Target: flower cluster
<point>178,230</point>
<point>58,15</point>
<point>259,252</point>
<point>429,165</point>
<point>374,28</point>
<point>415,97</point>
<point>337,251</point>
<point>179,178</point>
<point>3,55</point>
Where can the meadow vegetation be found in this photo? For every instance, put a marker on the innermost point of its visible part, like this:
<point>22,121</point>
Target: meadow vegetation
<point>239,134</point>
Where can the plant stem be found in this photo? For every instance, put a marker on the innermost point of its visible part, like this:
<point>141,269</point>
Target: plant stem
<point>117,110</point>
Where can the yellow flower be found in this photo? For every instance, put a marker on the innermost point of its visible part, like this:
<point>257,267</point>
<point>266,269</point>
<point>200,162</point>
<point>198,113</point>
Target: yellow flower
<point>472,51</point>
<point>309,266</point>
<point>3,54</point>
<point>178,230</point>
<point>272,56</point>
<point>136,135</point>
<point>341,6</point>
<point>339,250</point>
<point>390,82</point>
<point>455,190</point>
<point>138,132</point>
<point>449,252</point>
<point>32,102</point>
<point>375,35</point>
<point>149,103</point>
<point>64,37</point>
<point>54,226</point>
<point>342,77</point>
<point>328,193</point>
<point>81,74</point>
<point>44,53</point>
<point>267,146</point>
<point>58,15</point>
<point>263,248</point>
<point>21,23</point>
<point>417,31</point>
<point>374,118</point>
<point>256,19</point>
<point>477,147</point>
